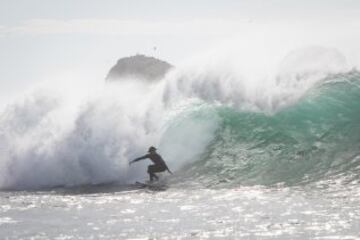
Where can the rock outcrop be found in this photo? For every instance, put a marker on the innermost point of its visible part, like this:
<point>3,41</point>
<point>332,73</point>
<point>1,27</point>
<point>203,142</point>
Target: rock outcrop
<point>139,66</point>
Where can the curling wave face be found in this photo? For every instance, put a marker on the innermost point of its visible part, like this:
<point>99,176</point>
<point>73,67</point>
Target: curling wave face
<point>314,139</point>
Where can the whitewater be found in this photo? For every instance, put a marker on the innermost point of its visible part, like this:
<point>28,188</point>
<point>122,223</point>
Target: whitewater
<point>261,148</point>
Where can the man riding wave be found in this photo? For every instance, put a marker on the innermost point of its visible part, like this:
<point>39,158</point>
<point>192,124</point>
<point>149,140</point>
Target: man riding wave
<point>158,166</point>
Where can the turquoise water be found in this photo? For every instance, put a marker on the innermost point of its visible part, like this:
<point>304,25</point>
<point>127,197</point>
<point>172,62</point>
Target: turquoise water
<point>316,138</point>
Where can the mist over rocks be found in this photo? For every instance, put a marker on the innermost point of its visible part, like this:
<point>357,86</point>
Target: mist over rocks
<point>139,66</point>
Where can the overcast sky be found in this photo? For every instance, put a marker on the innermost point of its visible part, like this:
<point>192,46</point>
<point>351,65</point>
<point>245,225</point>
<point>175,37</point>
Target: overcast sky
<point>42,40</point>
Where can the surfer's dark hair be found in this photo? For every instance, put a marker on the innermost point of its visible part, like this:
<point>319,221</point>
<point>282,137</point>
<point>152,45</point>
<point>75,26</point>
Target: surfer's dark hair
<point>151,149</point>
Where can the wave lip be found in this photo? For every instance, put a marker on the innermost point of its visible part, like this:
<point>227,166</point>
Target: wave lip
<point>249,86</point>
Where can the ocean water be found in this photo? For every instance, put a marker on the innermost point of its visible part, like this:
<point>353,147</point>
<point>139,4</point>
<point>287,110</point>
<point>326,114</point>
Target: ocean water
<point>255,155</point>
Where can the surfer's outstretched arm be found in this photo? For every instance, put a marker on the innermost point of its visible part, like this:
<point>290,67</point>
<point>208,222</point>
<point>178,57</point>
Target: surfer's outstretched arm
<point>140,158</point>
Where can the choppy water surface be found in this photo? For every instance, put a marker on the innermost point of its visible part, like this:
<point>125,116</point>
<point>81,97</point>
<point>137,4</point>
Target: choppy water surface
<point>327,210</point>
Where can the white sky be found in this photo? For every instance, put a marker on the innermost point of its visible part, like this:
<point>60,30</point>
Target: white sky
<point>46,40</point>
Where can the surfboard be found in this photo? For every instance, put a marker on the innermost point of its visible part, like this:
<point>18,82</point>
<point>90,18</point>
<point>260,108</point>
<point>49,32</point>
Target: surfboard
<point>155,186</point>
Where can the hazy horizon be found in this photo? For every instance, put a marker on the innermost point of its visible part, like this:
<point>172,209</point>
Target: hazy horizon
<point>43,41</point>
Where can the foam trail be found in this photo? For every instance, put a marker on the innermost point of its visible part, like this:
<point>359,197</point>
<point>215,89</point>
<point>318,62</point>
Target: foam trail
<point>46,142</point>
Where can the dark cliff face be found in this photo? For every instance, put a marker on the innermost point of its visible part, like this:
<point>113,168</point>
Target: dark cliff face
<point>139,66</point>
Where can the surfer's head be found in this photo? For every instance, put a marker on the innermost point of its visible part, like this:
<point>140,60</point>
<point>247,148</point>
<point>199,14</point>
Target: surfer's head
<point>152,149</point>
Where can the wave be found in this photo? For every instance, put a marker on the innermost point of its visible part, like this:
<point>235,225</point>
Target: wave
<point>315,139</point>
<point>212,124</point>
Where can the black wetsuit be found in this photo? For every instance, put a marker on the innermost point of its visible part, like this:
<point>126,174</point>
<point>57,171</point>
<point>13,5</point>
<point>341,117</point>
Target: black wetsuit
<point>158,166</point>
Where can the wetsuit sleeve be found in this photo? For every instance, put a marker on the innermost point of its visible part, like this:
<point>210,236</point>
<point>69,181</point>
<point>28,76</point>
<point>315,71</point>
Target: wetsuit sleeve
<point>140,158</point>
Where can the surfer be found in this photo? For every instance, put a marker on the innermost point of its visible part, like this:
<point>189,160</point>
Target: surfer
<point>158,166</point>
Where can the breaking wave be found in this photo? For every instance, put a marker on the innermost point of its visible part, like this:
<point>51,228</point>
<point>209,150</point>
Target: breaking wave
<point>316,138</point>
<point>212,123</point>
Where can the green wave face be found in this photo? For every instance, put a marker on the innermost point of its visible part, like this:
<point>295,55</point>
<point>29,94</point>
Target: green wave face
<point>316,138</point>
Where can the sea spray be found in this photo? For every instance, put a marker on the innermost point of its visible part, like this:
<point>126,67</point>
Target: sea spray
<point>46,143</point>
